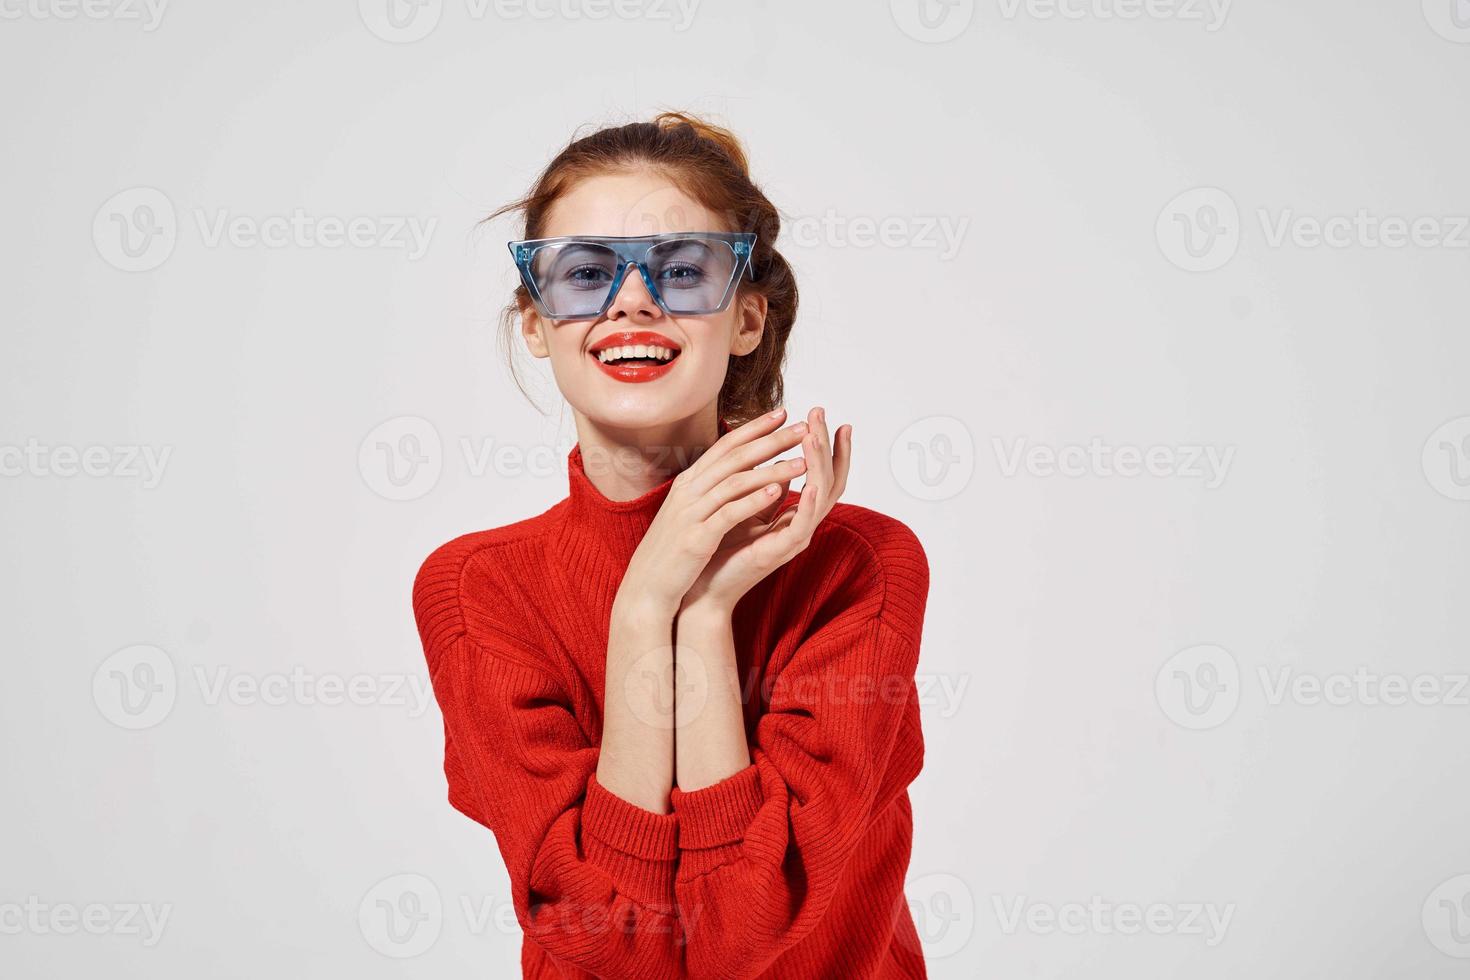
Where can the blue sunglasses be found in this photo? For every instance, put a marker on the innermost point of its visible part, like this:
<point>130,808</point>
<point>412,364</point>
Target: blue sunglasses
<point>688,273</point>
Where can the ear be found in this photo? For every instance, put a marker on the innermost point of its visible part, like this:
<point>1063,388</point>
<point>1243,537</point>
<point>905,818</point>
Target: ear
<point>750,324</point>
<point>533,329</point>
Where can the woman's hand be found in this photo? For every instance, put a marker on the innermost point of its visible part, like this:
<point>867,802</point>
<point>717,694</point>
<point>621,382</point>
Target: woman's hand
<point>758,546</point>
<point>722,490</point>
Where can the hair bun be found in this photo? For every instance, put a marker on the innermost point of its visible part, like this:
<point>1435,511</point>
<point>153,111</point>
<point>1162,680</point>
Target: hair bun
<point>728,143</point>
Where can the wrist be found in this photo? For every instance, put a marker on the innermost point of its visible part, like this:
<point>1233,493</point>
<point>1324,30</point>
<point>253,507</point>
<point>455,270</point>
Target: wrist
<point>637,608</point>
<point>705,608</point>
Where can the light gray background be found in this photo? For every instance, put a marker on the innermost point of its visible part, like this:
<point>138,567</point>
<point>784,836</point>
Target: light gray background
<point>1103,653</point>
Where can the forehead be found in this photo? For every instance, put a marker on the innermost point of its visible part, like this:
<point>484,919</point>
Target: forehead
<point>626,204</point>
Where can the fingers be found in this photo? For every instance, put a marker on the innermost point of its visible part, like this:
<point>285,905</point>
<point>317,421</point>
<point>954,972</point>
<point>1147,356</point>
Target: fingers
<point>731,487</point>
<point>746,456</point>
<point>744,508</point>
<point>811,507</point>
<point>739,484</point>
<point>770,512</point>
<point>736,437</point>
<point>826,479</point>
<point>841,461</point>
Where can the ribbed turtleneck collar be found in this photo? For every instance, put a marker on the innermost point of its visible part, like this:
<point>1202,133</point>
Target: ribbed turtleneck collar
<point>615,526</point>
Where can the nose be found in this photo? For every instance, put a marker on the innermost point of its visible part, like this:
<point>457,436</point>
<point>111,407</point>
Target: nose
<point>633,301</point>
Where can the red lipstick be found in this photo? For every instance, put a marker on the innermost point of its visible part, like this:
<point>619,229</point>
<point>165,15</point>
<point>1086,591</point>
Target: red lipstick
<point>633,366</point>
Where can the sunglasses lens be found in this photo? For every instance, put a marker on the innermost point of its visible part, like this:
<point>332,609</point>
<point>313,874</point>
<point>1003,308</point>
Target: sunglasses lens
<point>574,278</point>
<point>693,274</point>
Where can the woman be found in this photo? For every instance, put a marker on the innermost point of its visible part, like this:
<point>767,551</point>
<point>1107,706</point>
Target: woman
<point>682,698</point>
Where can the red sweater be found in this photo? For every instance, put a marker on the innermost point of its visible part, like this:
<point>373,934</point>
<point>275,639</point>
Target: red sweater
<point>792,867</point>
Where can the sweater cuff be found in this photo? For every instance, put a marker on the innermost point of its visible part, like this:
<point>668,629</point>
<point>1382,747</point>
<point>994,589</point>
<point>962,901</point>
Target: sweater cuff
<point>718,814</point>
<point>627,827</point>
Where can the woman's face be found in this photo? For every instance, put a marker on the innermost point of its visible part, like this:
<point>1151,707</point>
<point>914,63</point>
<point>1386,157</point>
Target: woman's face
<point>629,204</point>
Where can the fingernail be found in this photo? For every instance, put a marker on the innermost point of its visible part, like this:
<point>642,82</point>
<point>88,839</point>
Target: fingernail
<point>799,428</point>
<point>778,413</point>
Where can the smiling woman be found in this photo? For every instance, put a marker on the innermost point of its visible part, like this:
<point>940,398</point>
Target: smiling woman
<point>752,819</point>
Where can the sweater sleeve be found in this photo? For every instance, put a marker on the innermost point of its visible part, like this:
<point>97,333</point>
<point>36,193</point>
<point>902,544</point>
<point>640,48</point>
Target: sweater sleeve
<point>763,851</point>
<point>591,874</point>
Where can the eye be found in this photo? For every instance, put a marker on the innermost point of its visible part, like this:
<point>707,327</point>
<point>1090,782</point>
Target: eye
<point>680,274</point>
<point>587,275</point>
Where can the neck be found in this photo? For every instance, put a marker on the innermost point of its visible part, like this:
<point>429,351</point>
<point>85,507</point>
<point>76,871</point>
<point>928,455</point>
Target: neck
<point>624,463</point>
<point>616,487</point>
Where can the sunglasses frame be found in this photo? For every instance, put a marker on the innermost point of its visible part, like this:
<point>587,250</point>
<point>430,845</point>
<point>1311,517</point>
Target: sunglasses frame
<point>633,250</point>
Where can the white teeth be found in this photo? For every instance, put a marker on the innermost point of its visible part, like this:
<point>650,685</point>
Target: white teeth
<point>634,350</point>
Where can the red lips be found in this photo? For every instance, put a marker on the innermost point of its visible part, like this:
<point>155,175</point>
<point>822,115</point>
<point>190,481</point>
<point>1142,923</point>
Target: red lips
<point>629,371</point>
